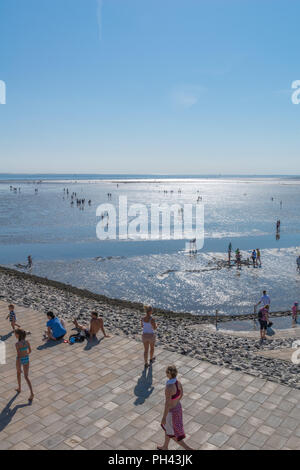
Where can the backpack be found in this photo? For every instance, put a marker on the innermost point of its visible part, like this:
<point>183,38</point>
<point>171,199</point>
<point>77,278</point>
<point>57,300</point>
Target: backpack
<point>77,338</point>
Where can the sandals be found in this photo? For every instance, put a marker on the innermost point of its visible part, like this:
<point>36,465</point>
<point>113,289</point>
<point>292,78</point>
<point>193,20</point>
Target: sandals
<point>151,362</point>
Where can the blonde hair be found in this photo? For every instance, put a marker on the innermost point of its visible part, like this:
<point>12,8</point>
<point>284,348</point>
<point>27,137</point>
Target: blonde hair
<point>172,370</point>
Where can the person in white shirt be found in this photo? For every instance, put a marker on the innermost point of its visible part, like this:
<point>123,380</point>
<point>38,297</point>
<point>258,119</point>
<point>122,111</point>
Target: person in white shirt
<point>149,327</point>
<point>265,299</point>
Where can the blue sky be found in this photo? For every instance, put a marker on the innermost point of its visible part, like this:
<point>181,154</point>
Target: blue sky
<point>148,86</point>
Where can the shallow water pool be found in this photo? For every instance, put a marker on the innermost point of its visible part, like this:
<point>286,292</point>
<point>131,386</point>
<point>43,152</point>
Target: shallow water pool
<point>279,323</point>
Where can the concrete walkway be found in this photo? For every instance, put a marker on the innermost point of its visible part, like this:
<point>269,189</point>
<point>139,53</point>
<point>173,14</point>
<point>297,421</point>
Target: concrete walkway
<point>99,398</point>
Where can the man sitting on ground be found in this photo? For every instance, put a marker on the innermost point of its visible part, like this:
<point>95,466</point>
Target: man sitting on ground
<point>96,324</point>
<point>56,328</point>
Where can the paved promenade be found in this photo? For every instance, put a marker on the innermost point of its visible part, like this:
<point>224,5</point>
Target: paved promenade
<point>98,397</point>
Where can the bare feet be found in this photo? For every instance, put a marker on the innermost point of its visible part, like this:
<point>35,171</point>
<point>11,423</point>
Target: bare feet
<point>18,390</point>
<point>162,448</point>
<point>31,397</point>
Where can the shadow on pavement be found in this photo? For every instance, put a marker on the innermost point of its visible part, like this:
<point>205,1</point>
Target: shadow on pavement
<point>8,413</point>
<point>144,387</point>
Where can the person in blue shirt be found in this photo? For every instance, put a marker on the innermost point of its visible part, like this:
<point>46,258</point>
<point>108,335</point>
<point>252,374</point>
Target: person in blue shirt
<point>253,256</point>
<point>56,328</point>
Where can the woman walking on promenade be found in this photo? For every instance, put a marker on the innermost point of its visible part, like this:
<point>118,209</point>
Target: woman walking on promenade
<point>172,421</point>
<point>149,326</point>
<point>23,350</point>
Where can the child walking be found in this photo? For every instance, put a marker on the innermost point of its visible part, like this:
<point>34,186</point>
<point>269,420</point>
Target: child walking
<point>12,317</point>
<point>23,350</point>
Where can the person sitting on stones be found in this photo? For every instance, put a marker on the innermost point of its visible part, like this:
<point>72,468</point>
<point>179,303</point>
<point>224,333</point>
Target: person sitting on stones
<point>96,324</point>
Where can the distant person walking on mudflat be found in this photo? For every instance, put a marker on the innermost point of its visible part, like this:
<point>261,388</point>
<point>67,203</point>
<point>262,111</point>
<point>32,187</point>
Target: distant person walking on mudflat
<point>229,253</point>
<point>238,258</point>
<point>263,318</point>
<point>295,312</point>
<point>264,300</point>
<point>258,259</point>
<point>149,327</point>
<point>172,420</point>
<point>298,263</point>
<point>253,257</point>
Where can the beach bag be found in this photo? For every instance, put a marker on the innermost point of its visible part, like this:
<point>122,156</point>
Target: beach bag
<point>77,338</point>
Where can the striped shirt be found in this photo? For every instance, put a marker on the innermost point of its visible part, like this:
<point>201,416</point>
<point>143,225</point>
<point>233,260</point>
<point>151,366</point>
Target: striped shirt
<point>12,316</point>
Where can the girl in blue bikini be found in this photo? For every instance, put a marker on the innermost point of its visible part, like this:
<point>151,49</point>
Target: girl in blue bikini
<point>23,350</point>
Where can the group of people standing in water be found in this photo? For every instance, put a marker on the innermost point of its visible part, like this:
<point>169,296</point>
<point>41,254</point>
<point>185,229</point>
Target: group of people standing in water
<point>255,257</point>
<point>172,420</point>
<point>80,202</point>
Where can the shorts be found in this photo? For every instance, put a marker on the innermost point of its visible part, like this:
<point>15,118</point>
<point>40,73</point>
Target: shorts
<point>148,338</point>
<point>60,337</point>
<point>263,324</point>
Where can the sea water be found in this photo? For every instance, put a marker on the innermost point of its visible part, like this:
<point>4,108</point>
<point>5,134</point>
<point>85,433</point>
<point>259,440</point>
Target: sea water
<point>62,239</point>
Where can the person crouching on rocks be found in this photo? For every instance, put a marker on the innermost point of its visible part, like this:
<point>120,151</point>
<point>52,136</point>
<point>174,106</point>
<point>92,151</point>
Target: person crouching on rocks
<point>149,326</point>
<point>96,324</point>
<point>56,328</point>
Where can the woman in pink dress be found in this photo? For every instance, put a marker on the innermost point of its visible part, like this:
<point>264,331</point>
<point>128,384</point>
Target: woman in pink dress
<point>172,421</point>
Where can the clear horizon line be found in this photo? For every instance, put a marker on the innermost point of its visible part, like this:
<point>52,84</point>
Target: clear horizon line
<point>150,174</point>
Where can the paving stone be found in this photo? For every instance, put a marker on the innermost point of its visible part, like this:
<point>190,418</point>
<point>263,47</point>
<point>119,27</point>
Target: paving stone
<point>87,400</point>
